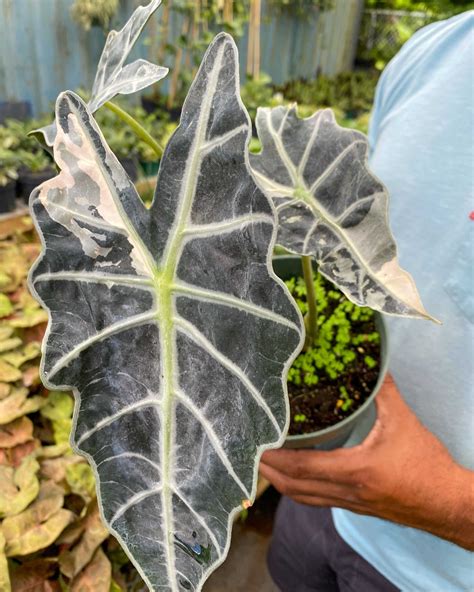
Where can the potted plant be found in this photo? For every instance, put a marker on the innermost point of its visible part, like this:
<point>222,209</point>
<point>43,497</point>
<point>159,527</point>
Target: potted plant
<point>36,167</point>
<point>182,336</point>
<point>8,176</point>
<point>332,383</point>
<point>332,211</point>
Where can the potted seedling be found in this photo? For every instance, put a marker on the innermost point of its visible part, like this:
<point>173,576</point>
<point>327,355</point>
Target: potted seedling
<point>8,176</point>
<point>333,215</point>
<point>159,321</point>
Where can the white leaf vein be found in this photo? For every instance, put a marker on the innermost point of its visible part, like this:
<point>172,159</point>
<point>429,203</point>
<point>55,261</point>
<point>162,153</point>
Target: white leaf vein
<point>213,438</point>
<point>195,335</point>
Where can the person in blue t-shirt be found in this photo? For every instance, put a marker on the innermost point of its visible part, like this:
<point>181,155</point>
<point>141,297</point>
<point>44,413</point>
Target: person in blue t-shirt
<point>403,500</point>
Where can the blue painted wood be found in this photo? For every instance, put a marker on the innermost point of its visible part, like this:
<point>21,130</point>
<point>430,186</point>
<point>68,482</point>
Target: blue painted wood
<point>43,51</point>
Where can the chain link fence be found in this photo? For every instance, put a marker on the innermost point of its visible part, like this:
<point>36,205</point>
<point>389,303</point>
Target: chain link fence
<point>383,32</point>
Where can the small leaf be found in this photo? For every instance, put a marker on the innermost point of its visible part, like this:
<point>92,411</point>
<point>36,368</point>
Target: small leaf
<point>18,403</point>
<point>59,405</point>
<point>17,358</point>
<point>96,577</point>
<point>5,390</point>
<point>71,562</point>
<point>32,576</point>
<point>5,585</point>
<point>18,487</point>
<point>58,409</point>
<point>13,266</point>
<point>6,307</point>
<point>5,332</point>
<point>39,526</point>
<point>13,457</point>
<point>28,318</point>
<point>8,373</point>
<point>54,451</point>
<point>9,344</point>
<point>330,206</point>
<point>81,480</point>
<point>55,468</point>
<point>31,377</point>
<point>16,432</point>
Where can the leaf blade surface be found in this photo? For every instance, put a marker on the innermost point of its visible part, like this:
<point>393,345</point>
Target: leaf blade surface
<point>330,206</point>
<point>159,321</point>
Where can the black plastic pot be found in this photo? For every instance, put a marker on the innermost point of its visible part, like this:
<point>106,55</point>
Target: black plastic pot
<point>149,104</point>
<point>27,181</point>
<point>131,167</point>
<point>287,266</point>
<point>7,197</point>
<point>15,110</point>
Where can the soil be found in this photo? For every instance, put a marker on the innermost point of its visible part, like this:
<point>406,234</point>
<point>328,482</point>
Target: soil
<point>319,403</point>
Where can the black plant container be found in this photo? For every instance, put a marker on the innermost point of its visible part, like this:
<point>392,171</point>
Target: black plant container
<point>7,197</point>
<point>15,110</point>
<point>130,165</point>
<point>27,181</point>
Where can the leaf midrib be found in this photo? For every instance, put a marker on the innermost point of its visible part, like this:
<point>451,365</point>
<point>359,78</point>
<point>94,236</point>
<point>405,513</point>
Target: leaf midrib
<point>165,322</point>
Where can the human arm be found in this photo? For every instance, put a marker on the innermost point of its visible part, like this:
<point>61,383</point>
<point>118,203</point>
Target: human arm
<point>401,472</point>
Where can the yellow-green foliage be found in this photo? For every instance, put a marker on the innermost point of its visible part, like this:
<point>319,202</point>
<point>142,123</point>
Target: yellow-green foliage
<point>48,502</point>
<point>334,349</point>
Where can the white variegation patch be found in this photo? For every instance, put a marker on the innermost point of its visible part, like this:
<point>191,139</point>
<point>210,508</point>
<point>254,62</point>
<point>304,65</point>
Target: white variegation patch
<point>113,77</point>
<point>160,322</point>
<point>330,206</point>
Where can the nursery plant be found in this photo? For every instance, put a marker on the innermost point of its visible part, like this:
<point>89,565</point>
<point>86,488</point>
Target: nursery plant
<point>159,321</point>
<point>8,167</point>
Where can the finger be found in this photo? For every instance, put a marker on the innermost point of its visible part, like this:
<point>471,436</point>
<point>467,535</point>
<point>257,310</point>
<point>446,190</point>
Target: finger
<point>335,465</point>
<point>329,491</point>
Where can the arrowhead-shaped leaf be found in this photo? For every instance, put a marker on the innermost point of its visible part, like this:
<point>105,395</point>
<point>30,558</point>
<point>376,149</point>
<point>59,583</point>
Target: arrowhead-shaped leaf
<point>169,324</point>
<point>112,76</point>
<point>330,206</point>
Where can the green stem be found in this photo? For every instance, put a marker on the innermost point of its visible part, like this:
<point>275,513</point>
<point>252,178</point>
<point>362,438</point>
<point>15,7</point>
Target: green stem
<point>311,318</point>
<point>137,128</point>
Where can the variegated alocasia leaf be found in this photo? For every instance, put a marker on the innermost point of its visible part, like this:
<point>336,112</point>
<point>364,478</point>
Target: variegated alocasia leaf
<point>330,206</point>
<point>169,324</point>
<point>112,77</point>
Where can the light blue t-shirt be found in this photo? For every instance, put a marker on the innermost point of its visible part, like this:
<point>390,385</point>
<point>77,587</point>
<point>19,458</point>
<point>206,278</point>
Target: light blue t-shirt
<point>422,149</point>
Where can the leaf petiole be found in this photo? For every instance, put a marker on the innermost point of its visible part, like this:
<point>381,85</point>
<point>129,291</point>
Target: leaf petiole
<point>139,130</point>
<point>311,319</point>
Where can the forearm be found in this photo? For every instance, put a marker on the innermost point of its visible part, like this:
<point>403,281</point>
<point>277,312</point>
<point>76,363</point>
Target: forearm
<point>401,472</point>
<point>452,509</point>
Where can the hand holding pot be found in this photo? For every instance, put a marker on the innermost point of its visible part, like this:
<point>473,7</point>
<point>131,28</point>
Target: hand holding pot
<point>401,472</point>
